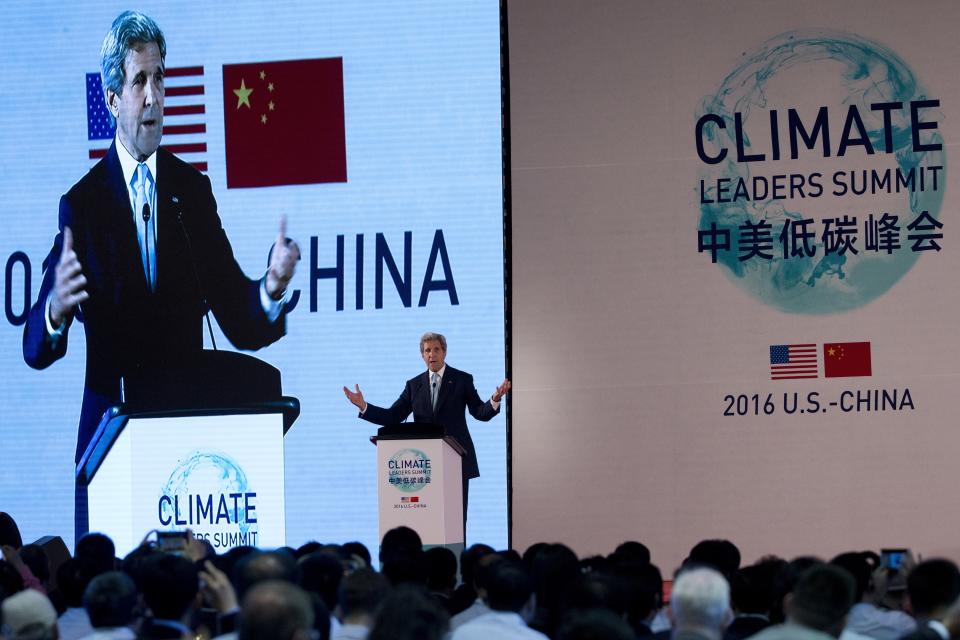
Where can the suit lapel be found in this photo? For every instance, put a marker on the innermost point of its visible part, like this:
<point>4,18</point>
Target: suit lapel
<point>167,224</point>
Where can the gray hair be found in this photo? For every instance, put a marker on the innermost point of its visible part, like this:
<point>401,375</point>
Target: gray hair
<point>429,336</point>
<point>700,598</point>
<point>129,29</point>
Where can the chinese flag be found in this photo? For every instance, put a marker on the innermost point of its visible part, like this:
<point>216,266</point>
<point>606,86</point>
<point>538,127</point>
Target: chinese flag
<point>283,123</point>
<point>846,359</point>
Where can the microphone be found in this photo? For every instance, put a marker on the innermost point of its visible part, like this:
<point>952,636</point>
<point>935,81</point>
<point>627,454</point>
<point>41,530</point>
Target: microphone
<point>175,201</point>
<point>146,238</point>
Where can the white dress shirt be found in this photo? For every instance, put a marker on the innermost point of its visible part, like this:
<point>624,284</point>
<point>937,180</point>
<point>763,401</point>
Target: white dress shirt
<point>502,625</point>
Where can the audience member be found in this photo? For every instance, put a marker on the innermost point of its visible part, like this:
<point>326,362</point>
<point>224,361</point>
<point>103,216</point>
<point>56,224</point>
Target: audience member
<point>508,592</point>
<point>97,551</point>
<point>111,604</point>
<point>359,596</point>
<point>633,552</point>
<point>320,575</point>
<point>817,608</point>
<point>554,570</point>
<point>276,610</point>
<point>408,614</point>
<point>866,619</point>
<point>700,605</point>
<point>479,606</point>
<point>9,531</point>
<point>261,566</point>
<point>466,594</point>
<point>401,557</point>
<point>594,624</point>
<point>73,576</point>
<point>932,588</point>
<point>358,550</point>
<point>643,588</point>
<point>784,582</point>
<point>441,575</point>
<point>170,586</point>
<point>751,597</point>
<point>722,555</point>
<point>28,615</point>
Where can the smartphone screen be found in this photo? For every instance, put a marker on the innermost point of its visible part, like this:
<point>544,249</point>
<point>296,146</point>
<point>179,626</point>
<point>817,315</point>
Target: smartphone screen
<point>892,558</point>
<point>172,541</point>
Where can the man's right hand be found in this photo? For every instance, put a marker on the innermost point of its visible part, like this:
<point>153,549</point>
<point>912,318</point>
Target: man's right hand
<point>69,283</point>
<point>356,397</point>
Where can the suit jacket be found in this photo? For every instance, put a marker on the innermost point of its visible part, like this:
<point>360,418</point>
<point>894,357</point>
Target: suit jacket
<point>457,394</point>
<point>923,632</point>
<point>129,329</point>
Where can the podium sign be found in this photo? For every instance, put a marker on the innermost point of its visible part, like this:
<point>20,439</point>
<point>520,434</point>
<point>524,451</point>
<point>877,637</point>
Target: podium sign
<point>420,486</point>
<point>219,475</point>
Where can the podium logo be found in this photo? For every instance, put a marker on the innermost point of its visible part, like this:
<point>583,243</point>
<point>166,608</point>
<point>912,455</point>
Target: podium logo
<point>409,470</point>
<point>209,493</point>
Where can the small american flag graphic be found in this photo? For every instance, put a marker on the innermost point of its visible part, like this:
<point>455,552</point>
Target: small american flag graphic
<point>410,499</point>
<point>184,116</point>
<point>793,361</point>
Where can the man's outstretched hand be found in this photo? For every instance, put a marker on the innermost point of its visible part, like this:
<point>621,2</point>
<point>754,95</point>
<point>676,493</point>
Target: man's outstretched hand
<point>356,397</point>
<point>283,262</point>
<point>500,391</point>
<point>68,283</point>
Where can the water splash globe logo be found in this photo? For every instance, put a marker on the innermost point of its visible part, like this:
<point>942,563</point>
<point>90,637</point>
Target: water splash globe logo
<point>817,77</point>
<point>200,489</point>
<point>409,470</point>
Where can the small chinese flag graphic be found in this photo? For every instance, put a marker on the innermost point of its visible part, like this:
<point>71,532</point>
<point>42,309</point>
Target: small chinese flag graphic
<point>846,359</point>
<point>284,123</point>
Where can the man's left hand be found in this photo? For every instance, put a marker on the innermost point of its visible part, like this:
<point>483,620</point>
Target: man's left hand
<point>283,262</point>
<point>500,391</point>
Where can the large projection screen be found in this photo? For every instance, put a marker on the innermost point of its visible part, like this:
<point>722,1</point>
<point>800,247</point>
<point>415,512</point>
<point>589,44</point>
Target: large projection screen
<point>406,237</point>
<point>643,368</point>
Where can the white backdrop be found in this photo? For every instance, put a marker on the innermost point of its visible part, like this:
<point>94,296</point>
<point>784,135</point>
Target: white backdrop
<point>631,346</point>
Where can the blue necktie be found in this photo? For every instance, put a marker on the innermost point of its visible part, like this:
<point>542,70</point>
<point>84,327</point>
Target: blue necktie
<point>146,234</point>
<point>435,390</point>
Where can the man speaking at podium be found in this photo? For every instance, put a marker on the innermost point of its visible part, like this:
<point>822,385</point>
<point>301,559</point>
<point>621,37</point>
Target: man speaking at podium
<point>439,395</point>
<point>141,252</point>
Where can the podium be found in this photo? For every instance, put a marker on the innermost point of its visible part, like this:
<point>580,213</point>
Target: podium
<point>198,446</point>
<point>420,483</point>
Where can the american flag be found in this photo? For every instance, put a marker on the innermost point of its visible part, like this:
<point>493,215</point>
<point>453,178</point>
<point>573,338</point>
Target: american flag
<point>793,361</point>
<point>184,116</point>
<point>411,499</point>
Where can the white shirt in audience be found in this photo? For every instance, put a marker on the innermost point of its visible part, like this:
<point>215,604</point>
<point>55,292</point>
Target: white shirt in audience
<point>351,632</point>
<point>502,625</point>
<point>478,608</point>
<point>111,633</point>
<point>74,624</point>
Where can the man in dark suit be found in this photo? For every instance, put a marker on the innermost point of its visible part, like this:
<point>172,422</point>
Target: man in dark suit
<point>439,395</point>
<point>141,251</point>
<point>933,587</point>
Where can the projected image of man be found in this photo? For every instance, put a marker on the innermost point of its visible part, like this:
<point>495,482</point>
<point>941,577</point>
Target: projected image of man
<point>140,251</point>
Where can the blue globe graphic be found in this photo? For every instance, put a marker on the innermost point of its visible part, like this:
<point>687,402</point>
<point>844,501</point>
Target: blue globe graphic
<point>204,473</point>
<point>867,73</point>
